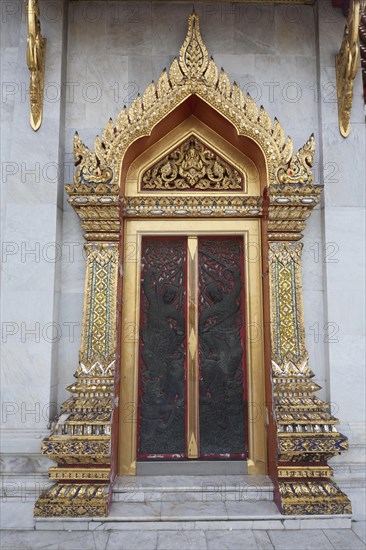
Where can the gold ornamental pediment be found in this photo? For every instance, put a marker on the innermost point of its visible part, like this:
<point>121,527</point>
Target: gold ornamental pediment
<point>193,73</point>
<point>192,165</point>
<point>193,92</point>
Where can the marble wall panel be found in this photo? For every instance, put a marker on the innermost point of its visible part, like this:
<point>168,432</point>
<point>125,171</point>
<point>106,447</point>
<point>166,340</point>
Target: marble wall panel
<point>348,378</point>
<point>105,76</point>
<point>316,334</point>
<point>254,29</point>
<point>347,186</point>
<point>345,307</point>
<point>30,254</point>
<point>129,29</point>
<point>314,254</point>
<point>331,24</point>
<point>346,226</point>
<point>142,70</point>
<point>166,27</point>
<point>8,66</point>
<point>11,17</point>
<point>86,24</point>
<point>295,30</point>
<point>71,309</point>
<point>31,225</point>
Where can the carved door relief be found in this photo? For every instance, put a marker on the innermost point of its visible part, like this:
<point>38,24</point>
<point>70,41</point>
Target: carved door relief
<point>191,348</point>
<point>162,355</point>
<point>221,347</point>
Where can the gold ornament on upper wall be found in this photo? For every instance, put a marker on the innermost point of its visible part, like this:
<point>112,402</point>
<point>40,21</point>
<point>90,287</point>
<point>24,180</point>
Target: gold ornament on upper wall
<point>36,53</point>
<point>347,67</point>
<point>289,178</point>
<point>192,165</point>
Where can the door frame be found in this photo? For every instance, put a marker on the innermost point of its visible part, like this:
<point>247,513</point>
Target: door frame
<point>283,199</point>
<point>134,230</point>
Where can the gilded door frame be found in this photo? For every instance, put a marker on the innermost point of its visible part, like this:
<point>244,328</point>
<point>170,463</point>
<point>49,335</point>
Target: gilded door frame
<point>301,433</point>
<point>133,232</point>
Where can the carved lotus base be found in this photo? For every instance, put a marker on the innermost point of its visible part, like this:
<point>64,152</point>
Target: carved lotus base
<point>318,497</point>
<point>74,500</point>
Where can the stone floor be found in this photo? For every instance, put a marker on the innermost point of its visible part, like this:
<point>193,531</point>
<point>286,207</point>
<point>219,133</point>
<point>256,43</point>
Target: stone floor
<point>209,539</point>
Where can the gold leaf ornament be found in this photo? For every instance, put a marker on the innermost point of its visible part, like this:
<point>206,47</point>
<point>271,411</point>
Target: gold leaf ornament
<point>192,165</point>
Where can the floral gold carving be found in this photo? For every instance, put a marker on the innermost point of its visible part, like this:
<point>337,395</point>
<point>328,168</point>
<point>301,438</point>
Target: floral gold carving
<point>192,206</point>
<point>313,497</point>
<point>193,73</point>
<point>298,169</point>
<point>287,327</point>
<point>192,165</point>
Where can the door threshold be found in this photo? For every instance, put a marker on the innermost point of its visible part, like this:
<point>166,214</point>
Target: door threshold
<point>192,467</point>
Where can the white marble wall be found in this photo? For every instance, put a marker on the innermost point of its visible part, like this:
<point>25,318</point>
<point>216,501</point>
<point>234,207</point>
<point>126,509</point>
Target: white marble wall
<point>32,190</point>
<point>110,51</point>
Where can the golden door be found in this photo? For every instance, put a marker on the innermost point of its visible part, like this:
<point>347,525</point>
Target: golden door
<point>192,358</point>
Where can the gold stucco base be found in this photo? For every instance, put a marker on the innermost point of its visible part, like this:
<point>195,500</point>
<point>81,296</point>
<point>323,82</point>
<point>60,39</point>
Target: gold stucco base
<point>74,500</point>
<point>316,497</point>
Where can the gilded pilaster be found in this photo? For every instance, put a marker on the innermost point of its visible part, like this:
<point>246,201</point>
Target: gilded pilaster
<point>306,431</point>
<point>81,439</point>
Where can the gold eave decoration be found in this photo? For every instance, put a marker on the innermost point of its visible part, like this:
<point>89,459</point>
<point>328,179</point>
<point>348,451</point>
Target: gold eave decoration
<point>347,67</point>
<point>36,53</point>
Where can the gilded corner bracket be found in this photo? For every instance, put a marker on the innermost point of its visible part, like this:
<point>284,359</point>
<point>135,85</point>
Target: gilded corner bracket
<point>36,53</point>
<point>306,432</point>
<point>347,61</point>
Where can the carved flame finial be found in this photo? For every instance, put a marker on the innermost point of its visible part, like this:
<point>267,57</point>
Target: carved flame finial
<point>193,58</point>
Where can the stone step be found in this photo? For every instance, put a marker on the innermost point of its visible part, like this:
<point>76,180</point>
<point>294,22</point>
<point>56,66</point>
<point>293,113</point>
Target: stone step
<point>192,511</point>
<point>237,488</point>
<point>191,467</point>
<point>191,515</point>
<point>193,502</point>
